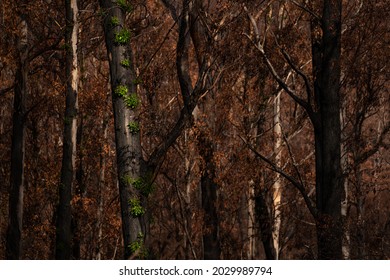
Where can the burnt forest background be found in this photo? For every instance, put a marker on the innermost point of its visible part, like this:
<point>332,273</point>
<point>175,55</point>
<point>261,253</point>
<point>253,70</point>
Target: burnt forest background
<point>194,129</point>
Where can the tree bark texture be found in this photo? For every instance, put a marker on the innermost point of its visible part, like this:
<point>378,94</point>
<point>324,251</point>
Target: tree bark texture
<point>327,128</point>
<point>264,218</point>
<point>130,164</point>
<point>14,231</point>
<point>64,211</point>
<point>211,244</point>
<point>201,41</point>
<point>276,188</point>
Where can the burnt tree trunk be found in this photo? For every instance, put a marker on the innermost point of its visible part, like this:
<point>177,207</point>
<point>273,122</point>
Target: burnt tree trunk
<point>130,164</point>
<point>211,244</point>
<point>264,219</point>
<point>14,231</point>
<point>202,42</point>
<point>326,50</point>
<point>64,212</point>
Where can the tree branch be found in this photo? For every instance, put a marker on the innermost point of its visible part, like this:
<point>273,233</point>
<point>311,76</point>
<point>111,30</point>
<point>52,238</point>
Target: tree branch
<point>5,90</point>
<point>190,94</point>
<point>306,9</point>
<point>295,183</point>
<point>379,143</point>
<point>300,73</point>
<point>303,103</point>
<point>182,63</point>
<point>172,9</point>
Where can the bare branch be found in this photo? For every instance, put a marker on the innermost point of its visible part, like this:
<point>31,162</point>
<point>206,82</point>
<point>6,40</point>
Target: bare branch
<point>306,9</point>
<point>172,9</point>
<point>379,143</point>
<point>182,63</point>
<point>303,103</point>
<point>301,74</point>
<point>5,90</point>
<point>254,25</point>
<point>189,93</point>
<point>293,159</point>
<point>295,183</point>
<point>159,47</point>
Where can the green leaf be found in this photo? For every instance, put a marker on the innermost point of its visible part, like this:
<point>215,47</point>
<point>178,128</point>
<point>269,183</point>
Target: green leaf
<point>125,5</point>
<point>122,37</point>
<point>132,101</point>
<point>136,210</point>
<point>133,127</point>
<point>114,21</point>
<point>125,63</point>
<point>121,90</point>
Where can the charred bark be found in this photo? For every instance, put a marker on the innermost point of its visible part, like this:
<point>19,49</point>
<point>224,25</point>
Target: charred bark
<point>209,189</point>
<point>14,231</point>
<point>130,164</point>
<point>327,129</point>
<point>263,216</point>
<point>64,212</point>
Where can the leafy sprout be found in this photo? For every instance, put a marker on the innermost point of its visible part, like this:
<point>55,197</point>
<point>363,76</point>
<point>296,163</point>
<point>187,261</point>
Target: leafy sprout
<point>133,127</point>
<point>132,101</point>
<point>114,21</point>
<point>122,36</point>
<point>125,63</point>
<point>121,90</point>
<point>124,5</point>
<point>136,209</point>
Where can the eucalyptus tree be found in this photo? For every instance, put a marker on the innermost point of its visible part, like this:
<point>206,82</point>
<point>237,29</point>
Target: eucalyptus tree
<point>64,211</point>
<point>15,225</point>
<point>126,102</point>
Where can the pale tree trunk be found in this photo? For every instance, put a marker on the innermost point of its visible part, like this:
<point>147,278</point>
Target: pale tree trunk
<point>360,197</point>
<point>251,232</point>
<point>345,202</point>
<point>276,188</point>
<point>14,231</point>
<point>126,102</point>
<point>78,192</point>
<point>101,183</point>
<point>64,212</point>
<point>187,219</point>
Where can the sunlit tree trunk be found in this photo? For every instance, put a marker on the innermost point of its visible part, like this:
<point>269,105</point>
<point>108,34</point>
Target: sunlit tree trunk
<point>189,158</point>
<point>14,231</point>
<point>251,232</point>
<point>345,202</point>
<point>276,189</point>
<point>101,183</point>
